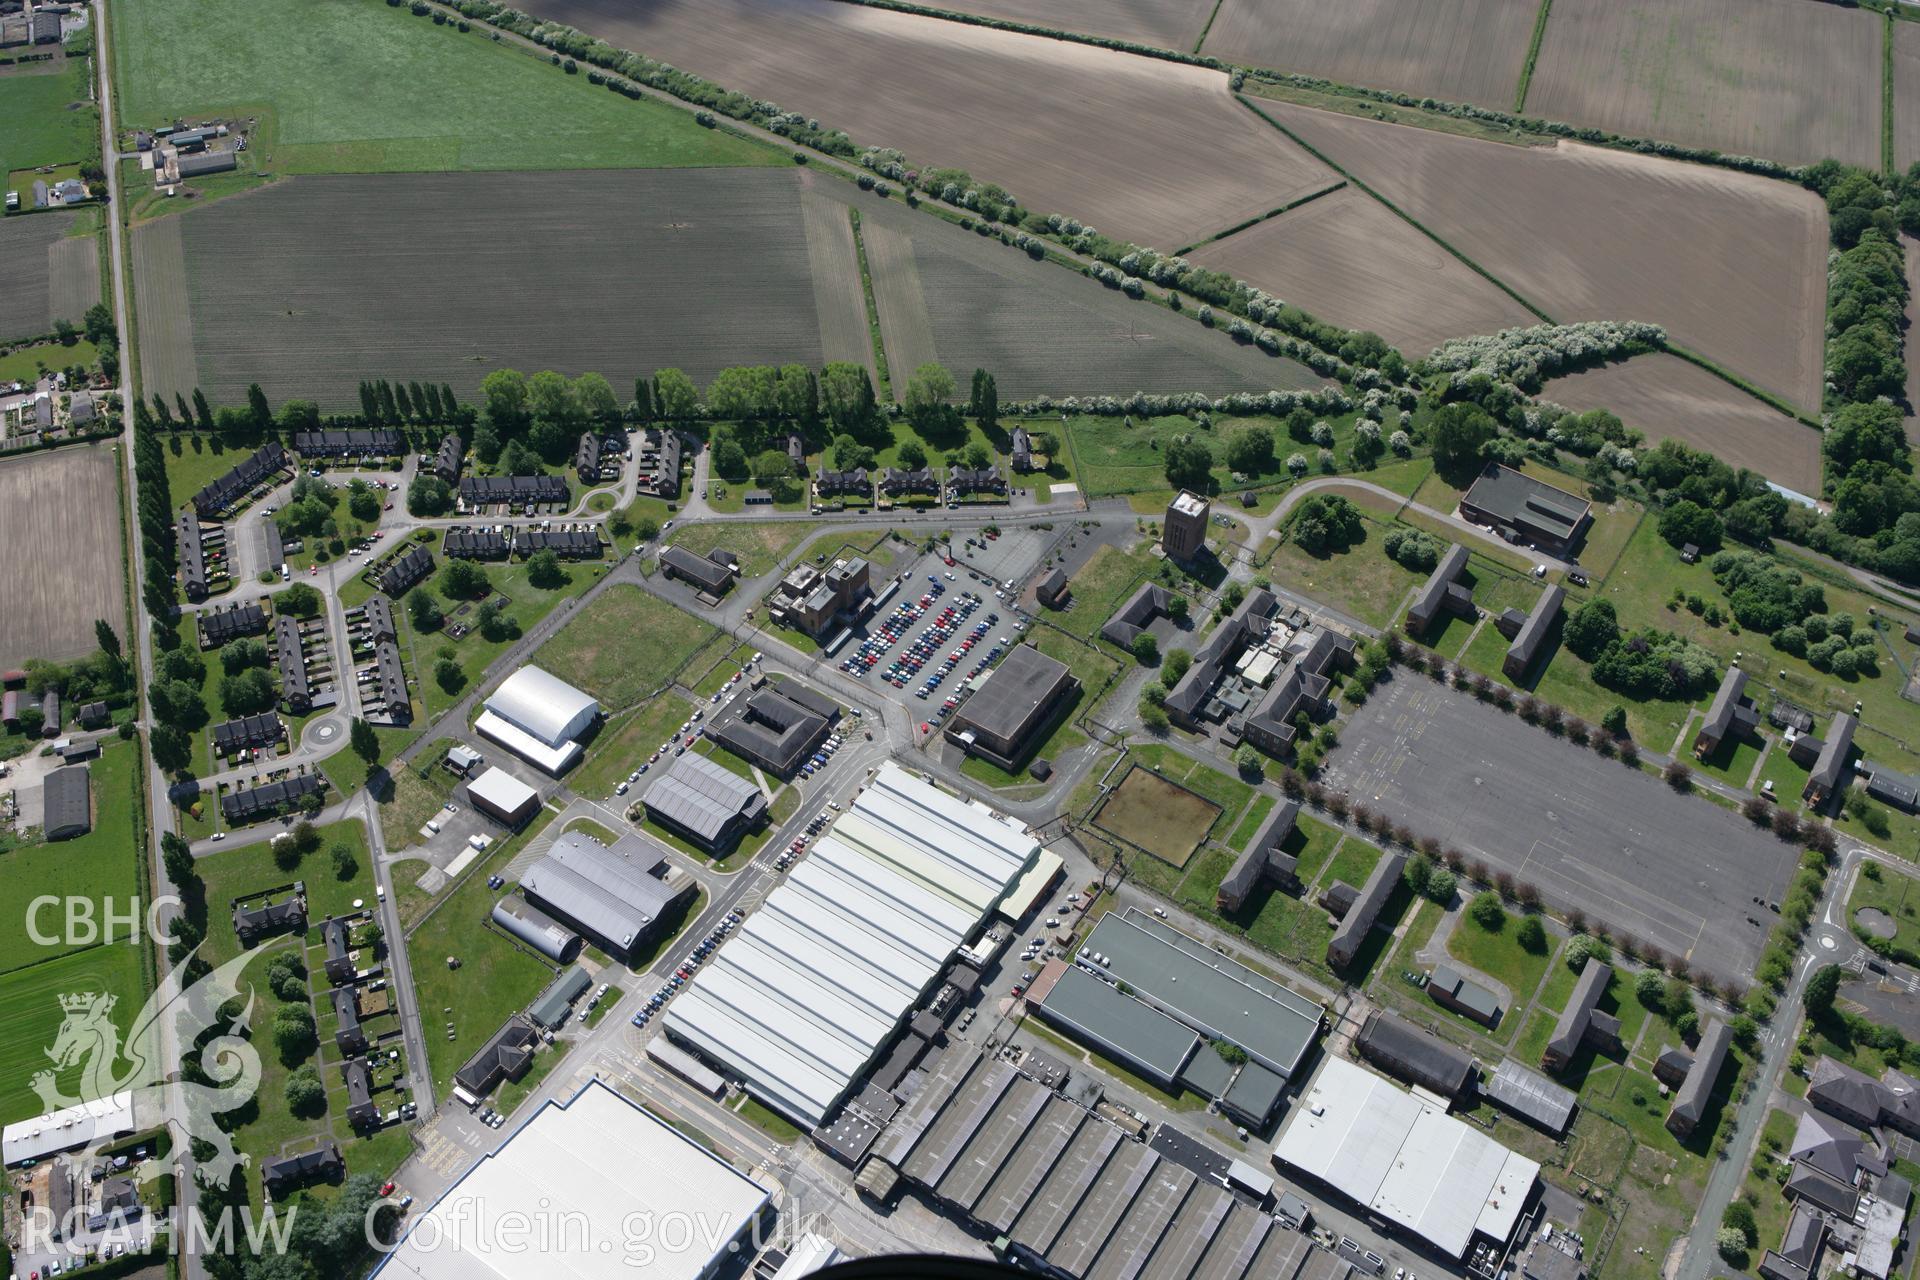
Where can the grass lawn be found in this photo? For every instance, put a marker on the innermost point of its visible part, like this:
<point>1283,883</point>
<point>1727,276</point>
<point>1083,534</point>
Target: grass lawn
<point>460,1008</point>
<point>50,118</point>
<point>623,646</point>
<point>1312,843</point>
<point>623,744</point>
<point>768,1121</point>
<point>348,772</point>
<point>1896,895</point>
<point>422,97</point>
<point>761,546</point>
<point>103,866</point>
<point>1360,581</point>
<point>1497,954</point>
<point>1242,834</point>
<point>1101,585</point>
<point>1092,667</point>
<point>1733,762</point>
<point>1353,863</point>
<point>473,653</point>
<point>28,363</point>
<point>30,1015</point>
<point>1114,458</point>
<point>1533,1041</point>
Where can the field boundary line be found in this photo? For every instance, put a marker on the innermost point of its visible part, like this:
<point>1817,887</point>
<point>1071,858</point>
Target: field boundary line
<point>881,373</point>
<point>1259,218</point>
<point>1396,210</point>
<point>1887,162</point>
<point>1207,30</point>
<point>1533,57</point>
<point>1739,383</point>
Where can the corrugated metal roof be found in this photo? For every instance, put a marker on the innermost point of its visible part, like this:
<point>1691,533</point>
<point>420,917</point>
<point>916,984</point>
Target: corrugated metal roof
<point>543,705</point>
<point>701,796</point>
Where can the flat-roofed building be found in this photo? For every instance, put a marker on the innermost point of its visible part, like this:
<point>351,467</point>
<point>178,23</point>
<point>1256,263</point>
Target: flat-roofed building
<point>1184,532</point>
<point>67,798</point>
<point>1002,721</point>
<point>1524,509</point>
<point>539,717</point>
<point>773,729</point>
<point>503,797</point>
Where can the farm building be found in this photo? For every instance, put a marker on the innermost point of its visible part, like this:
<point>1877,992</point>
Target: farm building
<point>1406,1160</point>
<point>203,163</point>
<point>1530,1095</point>
<point>615,896</point>
<point>1367,904</point>
<point>267,462</point>
<point>67,796</point>
<point>815,600</point>
<point>605,1162</point>
<point>1442,592</point>
<point>1407,1053</point>
<point>1263,861</point>
<point>270,799</point>
<point>1730,713</point>
<point>705,803</point>
<point>503,797</point>
<point>803,999</point>
<point>222,625</point>
<point>1184,531</point>
<point>513,491</point>
<point>282,1174</point>
<point>475,544</point>
<point>1147,604</point>
<point>1690,1101</point>
<point>1523,509</point>
<point>537,929</point>
<point>1003,720</point>
<point>1582,1022</point>
<point>777,728</point>
<point>709,574</point>
<point>538,717</point>
<point>1533,633</point>
<point>360,442</point>
<point>406,571</point>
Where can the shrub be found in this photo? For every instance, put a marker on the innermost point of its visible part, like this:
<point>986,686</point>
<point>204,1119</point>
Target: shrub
<point>1531,935</point>
<point>1487,912</point>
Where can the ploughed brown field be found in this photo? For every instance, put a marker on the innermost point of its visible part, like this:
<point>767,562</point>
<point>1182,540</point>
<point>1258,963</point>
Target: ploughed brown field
<point>44,278</point>
<point>1670,399</point>
<point>1145,150</point>
<point>1456,50</point>
<point>1734,266</point>
<point>1787,79</point>
<point>1352,261</point>
<point>1164,24</point>
<point>65,505</point>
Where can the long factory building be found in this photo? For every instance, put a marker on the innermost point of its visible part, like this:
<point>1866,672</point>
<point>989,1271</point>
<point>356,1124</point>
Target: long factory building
<point>1073,1194</point>
<point>801,1001</point>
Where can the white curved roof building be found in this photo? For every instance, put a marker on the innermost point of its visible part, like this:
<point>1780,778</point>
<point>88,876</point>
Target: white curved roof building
<point>537,717</point>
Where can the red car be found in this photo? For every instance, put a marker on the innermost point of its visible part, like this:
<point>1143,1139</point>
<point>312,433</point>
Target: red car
<point>386,1189</point>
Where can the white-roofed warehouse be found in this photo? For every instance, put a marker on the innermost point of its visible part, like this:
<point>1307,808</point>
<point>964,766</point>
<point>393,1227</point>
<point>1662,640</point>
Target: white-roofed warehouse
<point>1405,1159</point>
<point>537,717</point>
<point>799,1003</point>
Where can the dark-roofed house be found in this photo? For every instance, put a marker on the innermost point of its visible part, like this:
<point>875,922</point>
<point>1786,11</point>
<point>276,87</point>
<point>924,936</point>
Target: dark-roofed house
<point>92,715</point>
<point>967,481</point>
<point>282,1174</point>
<point>1367,905</point>
<point>705,802</point>
<point>1533,633</point>
<point>267,461</point>
<point>1829,775</point>
<point>615,897</point>
<point>505,1056</point>
<point>67,798</point>
<point>290,653</point>
<point>449,457</point>
<point>1696,1091</point>
<point>1581,1022</point>
<point>770,729</point>
<point>1730,714</point>
<point>1896,789</point>
<point>233,736</point>
<point>475,544</point>
<point>1147,603</point>
<point>1519,506</point>
<point>517,491</point>
<point>842,484</point>
<point>222,625</point>
<point>797,452</point>
<point>406,571</point>
<point>588,457</point>
<point>362,1113</point>
<point>1860,1100</point>
<point>578,543</point>
<point>269,919</point>
<point>1004,718</point>
<point>1021,447</point>
<point>269,799</point>
<point>709,575</point>
<point>194,578</point>
<point>1451,989</point>
<point>357,442</point>
<point>1052,590</point>
<point>899,482</point>
<point>350,1038</point>
<point>660,463</point>
<point>1442,592</point>
<point>336,932</point>
<point>1263,861</point>
<point>1405,1052</point>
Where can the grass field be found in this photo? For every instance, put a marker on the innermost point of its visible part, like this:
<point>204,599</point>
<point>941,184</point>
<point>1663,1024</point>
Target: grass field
<point>1496,953</point>
<point>1113,457</point>
<point>30,1016</point>
<point>1895,895</point>
<point>1166,24</point>
<point>50,117</point>
<point>623,745</point>
<point>1360,581</point>
<point>102,866</point>
<point>473,653</point>
<point>1734,265</point>
<point>1101,585</point>
<point>1166,820</point>
<point>760,546</point>
<point>421,97</point>
<point>623,646</point>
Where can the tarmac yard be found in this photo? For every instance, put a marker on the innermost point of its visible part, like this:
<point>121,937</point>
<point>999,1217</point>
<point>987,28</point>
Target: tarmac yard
<point>1676,871</point>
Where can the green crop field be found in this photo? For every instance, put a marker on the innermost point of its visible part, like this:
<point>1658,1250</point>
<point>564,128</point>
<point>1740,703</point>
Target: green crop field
<point>102,867</point>
<point>30,1016</point>
<point>49,118</point>
<point>355,86</point>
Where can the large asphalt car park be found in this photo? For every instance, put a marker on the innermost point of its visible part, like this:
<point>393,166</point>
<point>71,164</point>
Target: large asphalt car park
<point>1676,871</point>
<point>914,629</point>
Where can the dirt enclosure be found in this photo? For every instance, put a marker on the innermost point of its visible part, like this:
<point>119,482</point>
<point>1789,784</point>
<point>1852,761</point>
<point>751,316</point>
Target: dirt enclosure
<point>1787,79</point>
<point>1165,819</point>
<point>64,504</point>
<point>1145,150</point>
<point>1457,50</point>
<point>1670,399</point>
<point>1734,266</point>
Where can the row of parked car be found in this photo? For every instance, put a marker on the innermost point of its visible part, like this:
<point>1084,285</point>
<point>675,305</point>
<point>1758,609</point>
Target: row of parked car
<point>683,973</point>
<point>819,759</point>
